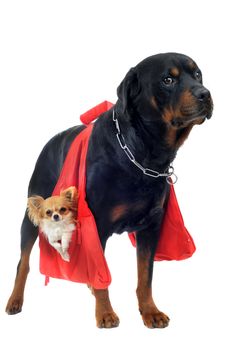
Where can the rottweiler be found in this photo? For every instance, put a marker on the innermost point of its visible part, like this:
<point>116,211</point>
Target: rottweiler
<point>129,159</point>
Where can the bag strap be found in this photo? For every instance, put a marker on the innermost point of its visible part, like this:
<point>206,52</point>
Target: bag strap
<point>93,113</point>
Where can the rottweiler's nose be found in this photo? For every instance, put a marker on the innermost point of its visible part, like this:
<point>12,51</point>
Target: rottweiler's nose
<point>201,93</point>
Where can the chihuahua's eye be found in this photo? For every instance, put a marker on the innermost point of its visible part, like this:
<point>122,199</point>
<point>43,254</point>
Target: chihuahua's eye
<point>49,212</point>
<point>168,81</point>
<point>62,210</point>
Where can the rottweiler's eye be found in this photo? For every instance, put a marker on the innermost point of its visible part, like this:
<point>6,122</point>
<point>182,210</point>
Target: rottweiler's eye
<point>49,212</point>
<point>197,75</point>
<point>168,80</point>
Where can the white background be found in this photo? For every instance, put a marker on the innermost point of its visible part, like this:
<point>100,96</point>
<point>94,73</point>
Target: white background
<point>58,59</point>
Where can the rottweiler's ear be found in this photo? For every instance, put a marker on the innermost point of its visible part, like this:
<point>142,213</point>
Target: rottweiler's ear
<point>129,89</point>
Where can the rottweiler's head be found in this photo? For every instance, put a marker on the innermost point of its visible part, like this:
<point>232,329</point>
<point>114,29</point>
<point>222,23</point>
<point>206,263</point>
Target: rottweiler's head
<point>166,87</point>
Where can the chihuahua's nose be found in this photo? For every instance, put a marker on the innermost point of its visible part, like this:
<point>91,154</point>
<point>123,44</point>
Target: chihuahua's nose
<point>56,217</point>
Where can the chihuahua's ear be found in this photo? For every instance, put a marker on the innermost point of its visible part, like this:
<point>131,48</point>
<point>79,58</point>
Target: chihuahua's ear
<point>70,193</point>
<point>33,207</point>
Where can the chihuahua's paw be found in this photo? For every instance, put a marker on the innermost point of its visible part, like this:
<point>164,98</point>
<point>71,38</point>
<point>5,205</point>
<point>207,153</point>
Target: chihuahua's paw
<point>65,256</point>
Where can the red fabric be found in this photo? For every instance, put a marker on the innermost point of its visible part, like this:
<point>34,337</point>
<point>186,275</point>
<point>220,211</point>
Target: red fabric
<point>87,262</point>
<point>93,113</point>
<point>175,241</point>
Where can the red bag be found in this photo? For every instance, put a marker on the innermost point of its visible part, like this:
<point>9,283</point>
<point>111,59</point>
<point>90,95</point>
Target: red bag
<point>175,242</point>
<point>87,262</point>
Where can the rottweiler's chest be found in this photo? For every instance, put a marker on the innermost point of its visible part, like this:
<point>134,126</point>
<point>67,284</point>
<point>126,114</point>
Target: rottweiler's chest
<point>131,209</point>
<point>131,218</point>
<point>121,202</point>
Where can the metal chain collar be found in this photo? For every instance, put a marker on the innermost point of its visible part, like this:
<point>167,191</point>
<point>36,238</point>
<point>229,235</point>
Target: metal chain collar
<point>171,177</point>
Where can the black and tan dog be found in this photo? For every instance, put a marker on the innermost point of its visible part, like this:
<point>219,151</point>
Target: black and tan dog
<point>159,101</point>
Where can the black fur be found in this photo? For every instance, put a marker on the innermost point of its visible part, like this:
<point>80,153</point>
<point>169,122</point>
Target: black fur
<point>112,179</point>
<point>119,195</point>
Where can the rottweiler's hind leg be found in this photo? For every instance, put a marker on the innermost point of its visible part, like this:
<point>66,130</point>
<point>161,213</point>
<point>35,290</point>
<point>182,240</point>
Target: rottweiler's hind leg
<point>29,234</point>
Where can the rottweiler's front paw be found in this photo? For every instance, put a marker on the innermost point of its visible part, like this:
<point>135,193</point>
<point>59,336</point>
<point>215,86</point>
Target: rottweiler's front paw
<point>107,320</point>
<point>155,319</point>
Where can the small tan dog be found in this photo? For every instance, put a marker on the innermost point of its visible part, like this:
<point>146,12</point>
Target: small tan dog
<point>56,217</point>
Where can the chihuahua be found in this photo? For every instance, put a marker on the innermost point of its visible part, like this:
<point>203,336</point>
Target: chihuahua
<point>56,218</point>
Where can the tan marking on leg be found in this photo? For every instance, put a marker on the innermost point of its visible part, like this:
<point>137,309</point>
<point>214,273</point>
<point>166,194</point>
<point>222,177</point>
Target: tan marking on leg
<point>105,316</point>
<point>15,301</point>
<point>151,316</point>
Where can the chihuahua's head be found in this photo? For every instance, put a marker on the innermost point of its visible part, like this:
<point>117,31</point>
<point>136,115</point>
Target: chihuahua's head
<point>55,208</point>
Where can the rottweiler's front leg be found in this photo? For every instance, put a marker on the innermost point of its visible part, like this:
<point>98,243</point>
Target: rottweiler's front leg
<point>104,313</point>
<point>105,316</point>
<point>147,240</point>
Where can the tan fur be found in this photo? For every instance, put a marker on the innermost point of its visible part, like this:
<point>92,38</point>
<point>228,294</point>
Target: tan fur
<point>168,115</point>
<point>192,65</point>
<point>33,207</point>
<point>105,316</point>
<point>154,102</point>
<point>151,316</point>
<point>172,139</point>
<point>175,72</point>
<point>70,193</point>
<point>120,210</point>
<point>186,102</point>
<point>37,205</point>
